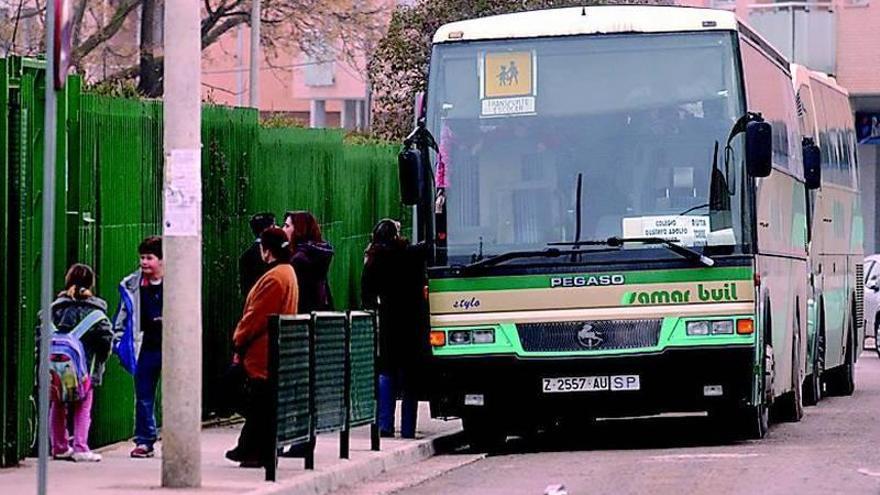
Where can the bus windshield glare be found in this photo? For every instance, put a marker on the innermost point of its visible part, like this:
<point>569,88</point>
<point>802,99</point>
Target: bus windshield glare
<point>637,116</point>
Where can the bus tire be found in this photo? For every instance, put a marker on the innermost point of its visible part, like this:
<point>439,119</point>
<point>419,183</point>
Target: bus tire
<point>842,380</point>
<point>746,423</point>
<point>876,331</point>
<point>753,422</point>
<point>790,407</point>
<point>813,383</point>
<point>482,433</point>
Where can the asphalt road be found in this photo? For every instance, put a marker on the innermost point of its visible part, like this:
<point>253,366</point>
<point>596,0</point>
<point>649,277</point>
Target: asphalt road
<point>834,449</point>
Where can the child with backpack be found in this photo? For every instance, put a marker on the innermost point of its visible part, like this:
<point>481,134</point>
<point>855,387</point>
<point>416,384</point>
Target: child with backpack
<point>81,339</point>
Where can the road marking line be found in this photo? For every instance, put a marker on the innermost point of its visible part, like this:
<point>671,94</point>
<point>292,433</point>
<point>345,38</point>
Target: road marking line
<point>708,457</point>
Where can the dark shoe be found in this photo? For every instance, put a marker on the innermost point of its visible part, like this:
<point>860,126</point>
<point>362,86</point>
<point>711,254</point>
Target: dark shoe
<point>295,451</point>
<point>251,464</point>
<point>386,434</point>
<point>143,452</point>
<point>234,455</point>
<point>409,436</point>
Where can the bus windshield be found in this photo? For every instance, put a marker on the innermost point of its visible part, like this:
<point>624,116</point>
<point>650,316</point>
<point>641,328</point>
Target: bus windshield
<point>638,116</point>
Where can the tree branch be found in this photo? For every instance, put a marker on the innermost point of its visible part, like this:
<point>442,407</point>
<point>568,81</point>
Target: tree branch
<point>218,31</point>
<point>215,15</point>
<point>79,14</point>
<point>107,32</point>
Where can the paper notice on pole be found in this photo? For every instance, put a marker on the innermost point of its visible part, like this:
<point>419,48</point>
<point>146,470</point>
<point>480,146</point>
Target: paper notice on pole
<point>183,193</point>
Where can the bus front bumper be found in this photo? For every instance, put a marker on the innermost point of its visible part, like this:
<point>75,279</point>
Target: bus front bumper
<point>674,380</point>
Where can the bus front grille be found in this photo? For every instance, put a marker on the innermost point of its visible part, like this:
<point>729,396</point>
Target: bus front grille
<point>595,335</point>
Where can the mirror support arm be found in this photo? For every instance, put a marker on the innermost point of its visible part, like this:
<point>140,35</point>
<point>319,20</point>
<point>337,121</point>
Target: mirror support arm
<point>423,141</point>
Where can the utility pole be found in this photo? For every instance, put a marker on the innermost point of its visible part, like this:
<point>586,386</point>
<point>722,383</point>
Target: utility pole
<point>255,55</point>
<point>47,254</point>
<point>239,66</point>
<point>182,246</point>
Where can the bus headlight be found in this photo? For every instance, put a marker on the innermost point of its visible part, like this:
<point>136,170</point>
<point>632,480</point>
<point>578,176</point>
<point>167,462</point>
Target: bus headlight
<point>698,327</point>
<point>722,327</point>
<point>457,337</point>
<point>484,336</point>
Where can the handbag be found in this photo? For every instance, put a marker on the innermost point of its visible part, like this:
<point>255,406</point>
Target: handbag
<point>235,385</point>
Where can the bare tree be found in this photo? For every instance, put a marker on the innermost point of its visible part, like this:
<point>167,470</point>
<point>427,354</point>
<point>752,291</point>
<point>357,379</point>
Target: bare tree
<point>107,29</point>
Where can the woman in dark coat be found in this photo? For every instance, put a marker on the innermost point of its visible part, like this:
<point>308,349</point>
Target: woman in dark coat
<point>311,257</point>
<point>393,283</point>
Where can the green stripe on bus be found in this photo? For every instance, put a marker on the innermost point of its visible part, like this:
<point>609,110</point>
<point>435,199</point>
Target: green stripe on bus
<point>543,281</point>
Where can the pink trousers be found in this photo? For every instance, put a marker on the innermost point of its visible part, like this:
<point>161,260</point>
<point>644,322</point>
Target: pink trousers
<point>82,420</point>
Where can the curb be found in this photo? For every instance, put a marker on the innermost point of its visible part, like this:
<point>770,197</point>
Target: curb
<point>355,471</point>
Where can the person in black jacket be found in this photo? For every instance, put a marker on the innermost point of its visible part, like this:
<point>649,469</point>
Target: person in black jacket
<point>250,264</point>
<point>393,283</point>
<point>310,256</point>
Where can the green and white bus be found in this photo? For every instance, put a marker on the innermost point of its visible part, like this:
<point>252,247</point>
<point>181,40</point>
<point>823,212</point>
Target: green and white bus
<point>617,214</point>
<point>836,330</point>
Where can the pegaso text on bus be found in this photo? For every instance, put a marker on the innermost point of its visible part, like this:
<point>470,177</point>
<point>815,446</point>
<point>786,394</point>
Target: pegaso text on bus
<point>587,280</point>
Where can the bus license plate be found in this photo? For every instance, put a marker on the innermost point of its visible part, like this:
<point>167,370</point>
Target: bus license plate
<point>612,383</point>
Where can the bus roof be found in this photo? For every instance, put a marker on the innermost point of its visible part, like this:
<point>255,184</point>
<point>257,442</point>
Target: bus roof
<point>802,74</point>
<point>588,20</point>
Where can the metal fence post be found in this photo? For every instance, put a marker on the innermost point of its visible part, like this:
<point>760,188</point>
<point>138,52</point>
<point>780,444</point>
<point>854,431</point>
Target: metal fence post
<point>313,409</point>
<point>375,440</point>
<point>345,434</point>
<point>274,357</point>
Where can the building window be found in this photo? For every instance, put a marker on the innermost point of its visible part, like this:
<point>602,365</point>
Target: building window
<point>320,69</point>
<point>723,4</point>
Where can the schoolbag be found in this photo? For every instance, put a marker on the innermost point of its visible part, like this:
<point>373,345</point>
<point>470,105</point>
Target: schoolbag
<point>69,370</point>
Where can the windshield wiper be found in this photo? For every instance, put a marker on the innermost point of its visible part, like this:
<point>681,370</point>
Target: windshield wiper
<point>512,255</point>
<point>692,209</point>
<point>684,251</point>
<point>551,252</point>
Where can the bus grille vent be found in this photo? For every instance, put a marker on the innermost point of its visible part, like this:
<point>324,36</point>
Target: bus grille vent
<point>594,335</point>
<point>860,295</point>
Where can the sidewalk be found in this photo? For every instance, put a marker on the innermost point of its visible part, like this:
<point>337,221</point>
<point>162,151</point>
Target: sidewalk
<point>119,474</point>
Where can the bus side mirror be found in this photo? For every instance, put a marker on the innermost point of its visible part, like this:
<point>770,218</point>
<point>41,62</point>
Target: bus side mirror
<point>759,148</point>
<point>410,171</point>
<point>812,164</point>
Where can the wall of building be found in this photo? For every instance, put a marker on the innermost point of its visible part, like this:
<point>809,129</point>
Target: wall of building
<point>858,39</point>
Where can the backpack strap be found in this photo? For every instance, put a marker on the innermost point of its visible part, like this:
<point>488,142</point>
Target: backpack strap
<point>87,323</point>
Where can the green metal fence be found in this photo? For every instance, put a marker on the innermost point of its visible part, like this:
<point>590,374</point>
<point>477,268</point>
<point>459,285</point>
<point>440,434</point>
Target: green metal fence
<point>110,179</point>
<point>21,157</point>
<point>321,379</point>
<point>362,349</point>
<point>330,354</point>
<point>119,180</point>
<point>290,357</point>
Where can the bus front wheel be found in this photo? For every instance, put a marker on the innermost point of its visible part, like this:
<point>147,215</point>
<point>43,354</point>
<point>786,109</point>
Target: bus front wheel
<point>483,432</point>
<point>755,422</point>
<point>747,423</point>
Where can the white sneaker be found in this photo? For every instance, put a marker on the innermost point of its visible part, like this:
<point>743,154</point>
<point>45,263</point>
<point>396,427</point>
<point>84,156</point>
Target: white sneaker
<point>86,457</point>
<point>66,456</point>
